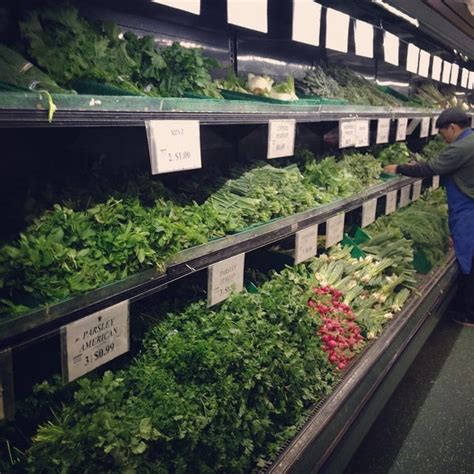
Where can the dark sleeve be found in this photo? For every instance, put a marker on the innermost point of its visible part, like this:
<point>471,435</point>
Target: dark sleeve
<point>416,170</point>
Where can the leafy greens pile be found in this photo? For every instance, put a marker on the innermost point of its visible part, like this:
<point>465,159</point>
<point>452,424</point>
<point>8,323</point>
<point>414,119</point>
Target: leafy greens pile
<point>222,389</point>
<point>71,48</point>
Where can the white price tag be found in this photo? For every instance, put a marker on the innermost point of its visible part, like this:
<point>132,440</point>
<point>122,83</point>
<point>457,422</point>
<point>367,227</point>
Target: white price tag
<point>383,130</point>
<point>472,121</point>
<point>174,145</point>
<point>391,46</point>
<point>334,230</point>
<point>413,55</point>
<point>191,6</point>
<point>435,184</point>
<point>364,39</point>
<point>391,202</point>
<point>436,68</point>
<point>464,78</point>
<point>434,130</point>
<point>95,340</point>
<point>306,244</point>
<point>306,21</point>
<point>347,133</point>
<point>417,190</point>
<point>362,133</point>
<point>424,65</point>
<point>281,138</point>
<point>425,127</point>
<point>224,278</point>
<point>368,212</point>
<point>470,84</point>
<point>337,30</point>
<point>405,196</point>
<point>401,129</point>
<point>446,72</point>
<point>248,14</point>
<point>454,74</point>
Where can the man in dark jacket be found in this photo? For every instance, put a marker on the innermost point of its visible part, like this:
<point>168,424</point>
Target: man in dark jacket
<point>456,165</point>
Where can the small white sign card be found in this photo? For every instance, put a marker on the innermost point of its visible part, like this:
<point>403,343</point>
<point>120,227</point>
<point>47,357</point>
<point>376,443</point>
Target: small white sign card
<point>369,209</point>
<point>413,54</point>
<point>364,39</point>
<point>436,69</point>
<point>362,132</point>
<point>347,133</point>
<point>337,30</point>
<point>306,244</point>
<point>401,129</point>
<point>425,127</point>
<point>405,195</point>
<point>417,189</point>
<point>306,22</point>
<point>224,278</point>
<point>435,184</point>
<point>391,202</point>
<point>281,138</point>
<point>434,130</point>
<point>174,145</point>
<point>391,47</point>
<point>383,130</point>
<point>248,14</point>
<point>191,6</point>
<point>95,340</point>
<point>334,229</point>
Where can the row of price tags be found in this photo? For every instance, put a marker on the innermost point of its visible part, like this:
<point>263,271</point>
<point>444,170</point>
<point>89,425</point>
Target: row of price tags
<point>175,145</point>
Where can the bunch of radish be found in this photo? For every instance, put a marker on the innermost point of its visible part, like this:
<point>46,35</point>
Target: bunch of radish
<point>339,332</point>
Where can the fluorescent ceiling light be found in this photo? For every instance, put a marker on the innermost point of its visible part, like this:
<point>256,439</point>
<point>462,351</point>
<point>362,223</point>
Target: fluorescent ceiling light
<point>395,11</point>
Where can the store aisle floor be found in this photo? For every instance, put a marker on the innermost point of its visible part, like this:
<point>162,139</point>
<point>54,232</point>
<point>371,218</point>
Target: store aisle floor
<point>428,424</point>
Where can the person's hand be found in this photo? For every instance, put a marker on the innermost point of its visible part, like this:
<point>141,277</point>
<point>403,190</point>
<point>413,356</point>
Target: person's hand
<point>450,242</point>
<point>391,169</point>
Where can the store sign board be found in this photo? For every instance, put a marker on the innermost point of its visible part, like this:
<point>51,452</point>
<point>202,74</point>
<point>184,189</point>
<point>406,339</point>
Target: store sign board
<point>306,22</point>
<point>334,229</point>
<point>347,133</point>
<point>417,189</point>
<point>434,130</point>
<point>364,39</point>
<point>224,278</point>
<point>306,244</point>
<point>446,72</point>
<point>191,6</point>
<point>391,202</point>
<point>424,65</point>
<point>362,133</point>
<point>337,30</point>
<point>369,209</point>
<point>405,196</point>
<point>464,78</point>
<point>174,145</point>
<point>436,69</point>
<point>425,127</point>
<point>94,340</point>
<point>401,129</point>
<point>413,55</point>
<point>252,15</point>
<point>435,183</point>
<point>454,74</point>
<point>391,47</point>
<point>383,130</point>
<point>281,138</point>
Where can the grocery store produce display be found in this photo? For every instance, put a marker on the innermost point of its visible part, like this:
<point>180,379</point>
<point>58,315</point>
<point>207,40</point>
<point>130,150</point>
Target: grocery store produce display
<point>223,388</point>
<point>85,242</point>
